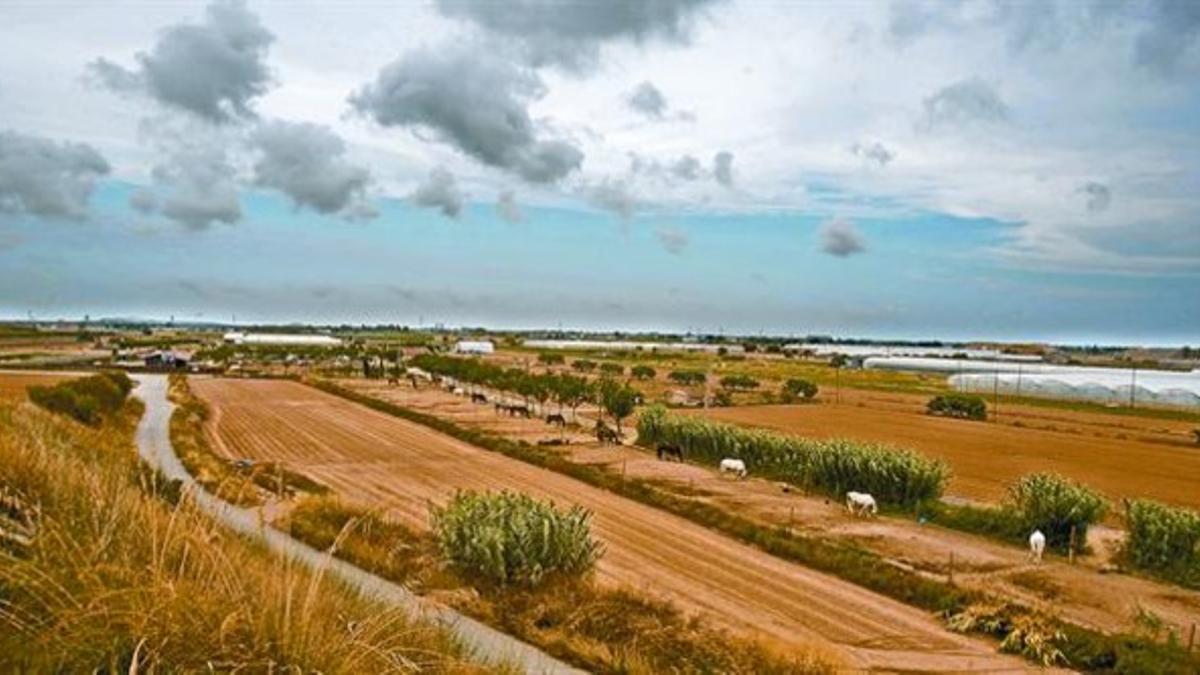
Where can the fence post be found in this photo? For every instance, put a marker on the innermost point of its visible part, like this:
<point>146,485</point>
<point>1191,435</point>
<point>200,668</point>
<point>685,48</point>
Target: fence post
<point>1071,547</point>
<point>1192,639</point>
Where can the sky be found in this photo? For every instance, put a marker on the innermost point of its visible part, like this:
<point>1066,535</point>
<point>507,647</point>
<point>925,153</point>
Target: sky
<point>973,169</point>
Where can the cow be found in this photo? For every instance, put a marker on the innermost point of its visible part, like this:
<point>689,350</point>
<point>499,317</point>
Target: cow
<point>556,418</point>
<point>1037,546</point>
<point>478,398</point>
<point>606,434</point>
<point>734,466</point>
<point>666,451</point>
<point>861,504</point>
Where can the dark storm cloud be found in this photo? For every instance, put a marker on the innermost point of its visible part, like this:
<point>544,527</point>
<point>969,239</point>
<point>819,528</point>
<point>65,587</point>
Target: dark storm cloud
<point>475,101</point>
<point>962,103</point>
<point>874,152</point>
<point>214,69</point>
<point>723,168</point>
<point>306,162</point>
<point>507,207</point>
<point>41,177</point>
<point>840,238</point>
<point>569,34</point>
<point>440,191</point>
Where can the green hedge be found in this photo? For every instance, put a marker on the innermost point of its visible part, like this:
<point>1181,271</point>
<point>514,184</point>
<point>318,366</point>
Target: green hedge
<point>891,475</point>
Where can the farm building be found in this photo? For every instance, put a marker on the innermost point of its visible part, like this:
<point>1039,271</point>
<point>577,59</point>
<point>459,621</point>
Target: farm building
<point>474,347</point>
<point>282,339</point>
<point>166,360</point>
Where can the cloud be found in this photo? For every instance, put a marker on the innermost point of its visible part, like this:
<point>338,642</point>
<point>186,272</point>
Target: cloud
<point>672,239</point>
<point>41,177</point>
<point>875,152</point>
<point>687,168</point>
<point>1098,196</point>
<point>613,195</point>
<point>964,102</point>
<point>507,207</point>
<point>306,162</point>
<point>440,191</point>
<point>570,34</point>
<point>723,168</point>
<point>143,201</point>
<point>840,238</point>
<point>648,100</point>
<point>195,187</point>
<point>214,69</point>
<point>1173,32</point>
<point>473,100</point>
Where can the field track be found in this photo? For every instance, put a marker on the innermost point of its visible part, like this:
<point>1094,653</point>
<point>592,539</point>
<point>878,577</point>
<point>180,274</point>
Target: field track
<point>986,458</point>
<point>381,460</point>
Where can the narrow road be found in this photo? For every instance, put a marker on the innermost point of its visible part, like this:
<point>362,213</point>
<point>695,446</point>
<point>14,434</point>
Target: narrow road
<point>486,643</point>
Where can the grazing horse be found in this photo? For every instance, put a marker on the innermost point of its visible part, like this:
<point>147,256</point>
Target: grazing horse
<point>734,466</point>
<point>1037,546</point>
<point>393,382</point>
<point>861,504</point>
<point>606,434</point>
<point>556,418</point>
<point>666,451</point>
<point>519,411</point>
<point>412,379</point>
<point>478,398</point>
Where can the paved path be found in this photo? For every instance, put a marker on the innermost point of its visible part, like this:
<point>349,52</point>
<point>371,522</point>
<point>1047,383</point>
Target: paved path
<point>488,644</point>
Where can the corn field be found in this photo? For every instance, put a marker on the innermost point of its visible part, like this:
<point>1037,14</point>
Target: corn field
<point>512,538</point>
<point>1162,538</point>
<point>1056,506</point>
<point>891,475</point>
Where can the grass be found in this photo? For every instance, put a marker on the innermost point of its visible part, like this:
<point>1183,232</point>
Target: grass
<point>1084,648</point>
<point>603,630</point>
<point>115,579</point>
<point>249,486</point>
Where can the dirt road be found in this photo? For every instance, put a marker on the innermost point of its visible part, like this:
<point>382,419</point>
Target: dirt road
<point>381,460</point>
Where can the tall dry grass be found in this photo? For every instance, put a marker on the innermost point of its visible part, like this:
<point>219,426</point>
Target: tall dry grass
<point>114,578</point>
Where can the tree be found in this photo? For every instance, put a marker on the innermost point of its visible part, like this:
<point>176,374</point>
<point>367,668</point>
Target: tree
<point>687,377</point>
<point>642,372</point>
<point>958,405</point>
<point>798,388</point>
<point>571,391</point>
<point>550,359</point>
<point>618,400</point>
<point>583,365</point>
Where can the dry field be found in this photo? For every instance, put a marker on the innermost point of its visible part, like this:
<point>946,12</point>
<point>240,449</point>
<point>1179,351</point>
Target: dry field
<point>1078,592</point>
<point>1121,456</point>
<point>13,383</point>
<point>383,461</point>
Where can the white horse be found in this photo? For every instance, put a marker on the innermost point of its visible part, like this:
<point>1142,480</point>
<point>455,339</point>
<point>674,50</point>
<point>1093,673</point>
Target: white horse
<point>861,504</point>
<point>1037,546</point>
<point>734,466</point>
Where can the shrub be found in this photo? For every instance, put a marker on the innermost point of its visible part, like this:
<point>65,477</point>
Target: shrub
<point>833,466</point>
<point>797,388</point>
<point>958,405</point>
<point>550,359</point>
<point>583,365</point>
<point>739,382</point>
<point>643,372</point>
<point>1055,505</point>
<point>687,377</point>
<point>88,400</point>
<point>609,368</point>
<point>1163,539</point>
<point>512,538</point>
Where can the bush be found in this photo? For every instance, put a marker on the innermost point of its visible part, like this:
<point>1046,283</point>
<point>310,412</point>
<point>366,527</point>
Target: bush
<point>609,368</point>
<point>892,475</point>
<point>88,400</point>
<point>687,377</point>
<point>643,372</point>
<point>1055,505</point>
<point>797,388</point>
<point>583,365</point>
<point>511,538</point>
<point>739,382</point>
<point>958,405</point>
<point>1163,539</point>
<point>550,359</point>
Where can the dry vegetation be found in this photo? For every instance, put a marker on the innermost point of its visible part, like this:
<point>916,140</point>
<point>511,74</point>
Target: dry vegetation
<point>112,577</point>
